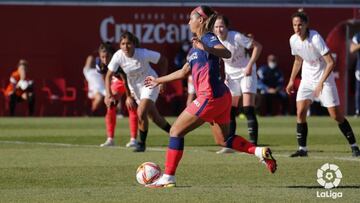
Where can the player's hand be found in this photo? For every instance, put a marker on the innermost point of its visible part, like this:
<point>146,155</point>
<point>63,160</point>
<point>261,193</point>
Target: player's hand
<point>318,89</point>
<point>162,88</point>
<point>110,101</point>
<point>197,43</point>
<point>248,71</point>
<point>290,88</point>
<point>130,103</point>
<point>150,82</point>
<point>271,90</point>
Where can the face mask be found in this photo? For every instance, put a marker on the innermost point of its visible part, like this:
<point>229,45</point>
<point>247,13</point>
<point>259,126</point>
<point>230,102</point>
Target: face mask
<point>185,47</point>
<point>272,65</point>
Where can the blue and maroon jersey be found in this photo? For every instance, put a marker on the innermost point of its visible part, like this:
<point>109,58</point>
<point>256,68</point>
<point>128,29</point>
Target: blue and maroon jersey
<point>205,69</point>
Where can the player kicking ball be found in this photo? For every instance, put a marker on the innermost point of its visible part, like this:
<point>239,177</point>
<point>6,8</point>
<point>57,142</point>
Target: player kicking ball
<point>213,102</point>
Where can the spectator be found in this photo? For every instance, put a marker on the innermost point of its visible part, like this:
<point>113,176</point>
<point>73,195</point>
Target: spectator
<point>355,48</point>
<point>20,88</point>
<point>96,84</point>
<point>271,85</point>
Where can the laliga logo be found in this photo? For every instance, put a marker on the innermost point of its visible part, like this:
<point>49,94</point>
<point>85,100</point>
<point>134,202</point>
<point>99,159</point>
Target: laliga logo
<point>329,176</point>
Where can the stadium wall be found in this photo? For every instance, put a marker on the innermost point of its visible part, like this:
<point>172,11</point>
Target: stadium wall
<point>56,39</point>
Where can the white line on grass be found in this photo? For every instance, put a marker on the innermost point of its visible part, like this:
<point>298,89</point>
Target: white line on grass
<point>158,149</point>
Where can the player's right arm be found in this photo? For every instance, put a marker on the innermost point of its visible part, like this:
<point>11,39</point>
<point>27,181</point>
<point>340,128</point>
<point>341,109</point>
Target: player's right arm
<point>130,102</point>
<point>295,70</point>
<point>112,67</point>
<point>151,81</point>
<point>109,98</point>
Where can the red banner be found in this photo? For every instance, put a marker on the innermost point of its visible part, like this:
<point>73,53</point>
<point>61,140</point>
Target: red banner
<point>56,39</point>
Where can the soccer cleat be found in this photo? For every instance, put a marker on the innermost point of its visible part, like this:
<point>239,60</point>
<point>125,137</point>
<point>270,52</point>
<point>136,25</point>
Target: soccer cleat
<point>299,153</point>
<point>355,151</point>
<point>132,143</point>
<point>140,147</point>
<point>225,150</point>
<point>163,181</point>
<point>268,159</point>
<point>108,143</point>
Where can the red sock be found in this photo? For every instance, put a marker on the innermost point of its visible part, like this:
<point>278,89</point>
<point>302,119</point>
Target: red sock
<point>110,121</point>
<point>242,145</point>
<point>133,123</point>
<point>174,154</point>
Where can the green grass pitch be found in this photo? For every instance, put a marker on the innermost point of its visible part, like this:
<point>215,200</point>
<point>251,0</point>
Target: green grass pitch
<point>58,160</point>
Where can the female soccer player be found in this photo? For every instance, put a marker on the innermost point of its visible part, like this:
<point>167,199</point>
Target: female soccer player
<point>240,72</point>
<point>213,102</point>
<point>118,82</point>
<point>314,58</point>
<point>135,63</point>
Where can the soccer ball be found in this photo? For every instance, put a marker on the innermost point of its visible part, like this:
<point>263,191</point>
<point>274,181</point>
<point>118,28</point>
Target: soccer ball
<point>148,173</point>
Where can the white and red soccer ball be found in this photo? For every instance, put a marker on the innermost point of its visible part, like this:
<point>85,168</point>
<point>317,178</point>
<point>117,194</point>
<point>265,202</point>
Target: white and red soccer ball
<point>148,173</point>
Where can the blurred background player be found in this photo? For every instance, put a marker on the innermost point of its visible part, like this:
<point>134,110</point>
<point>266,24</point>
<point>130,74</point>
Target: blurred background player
<point>96,84</point>
<point>240,75</point>
<point>271,85</point>
<point>117,88</point>
<point>179,61</point>
<point>213,102</point>
<point>20,88</point>
<point>135,63</point>
<point>355,48</point>
<point>314,59</point>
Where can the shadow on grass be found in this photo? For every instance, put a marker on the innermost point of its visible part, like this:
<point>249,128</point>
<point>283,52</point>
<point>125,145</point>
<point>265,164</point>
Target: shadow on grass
<point>320,187</point>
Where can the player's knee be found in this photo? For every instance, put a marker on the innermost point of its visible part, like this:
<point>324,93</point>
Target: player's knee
<point>175,131</point>
<point>301,114</point>
<point>142,115</point>
<point>249,112</point>
<point>338,118</point>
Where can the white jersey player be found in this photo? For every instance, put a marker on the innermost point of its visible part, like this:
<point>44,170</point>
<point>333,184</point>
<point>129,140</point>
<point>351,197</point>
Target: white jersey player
<point>317,81</point>
<point>135,63</point>
<point>240,72</point>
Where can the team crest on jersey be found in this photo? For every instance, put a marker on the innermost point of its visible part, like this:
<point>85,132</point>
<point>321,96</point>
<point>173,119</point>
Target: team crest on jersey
<point>213,38</point>
<point>193,56</point>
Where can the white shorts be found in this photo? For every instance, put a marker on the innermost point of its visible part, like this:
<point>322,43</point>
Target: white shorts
<point>239,86</point>
<point>92,93</point>
<point>138,89</point>
<point>329,96</point>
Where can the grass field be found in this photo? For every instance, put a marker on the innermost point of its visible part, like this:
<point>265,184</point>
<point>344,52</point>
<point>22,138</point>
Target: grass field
<point>58,160</point>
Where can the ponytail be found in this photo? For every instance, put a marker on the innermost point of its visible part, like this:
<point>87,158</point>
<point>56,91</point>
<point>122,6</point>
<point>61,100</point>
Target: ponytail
<point>209,24</point>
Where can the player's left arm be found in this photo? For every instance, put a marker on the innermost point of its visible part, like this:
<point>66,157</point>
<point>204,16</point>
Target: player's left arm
<point>256,51</point>
<point>130,101</point>
<point>163,65</point>
<point>109,98</point>
<point>218,50</point>
<point>329,67</point>
<point>330,64</point>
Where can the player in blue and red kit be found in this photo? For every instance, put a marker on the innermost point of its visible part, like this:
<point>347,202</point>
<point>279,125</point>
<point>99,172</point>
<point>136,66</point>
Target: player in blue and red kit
<point>213,102</point>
